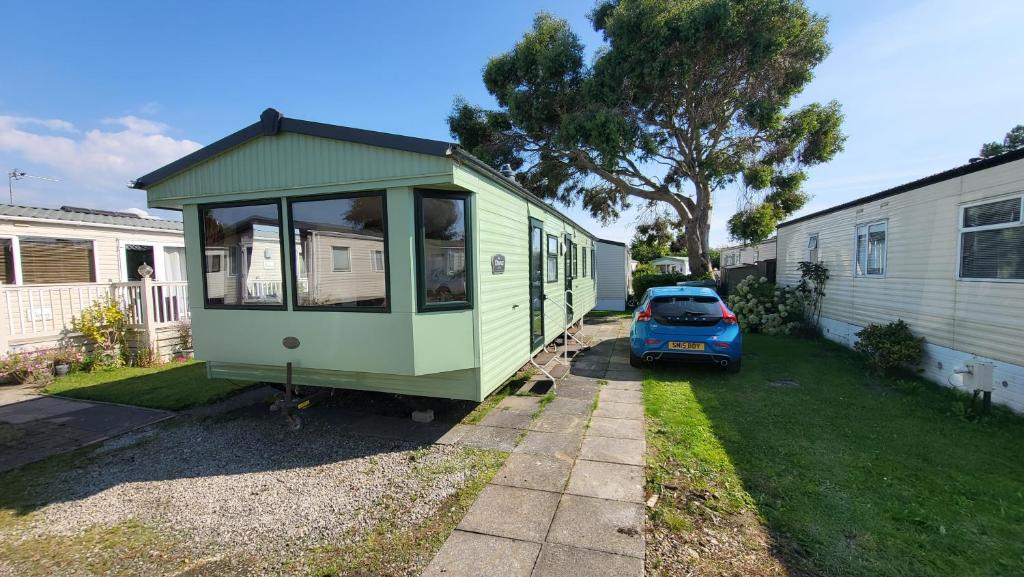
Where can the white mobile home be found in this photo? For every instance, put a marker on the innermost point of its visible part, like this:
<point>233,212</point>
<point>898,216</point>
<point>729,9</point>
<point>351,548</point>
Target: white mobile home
<point>944,253</point>
<point>670,264</point>
<point>613,275</point>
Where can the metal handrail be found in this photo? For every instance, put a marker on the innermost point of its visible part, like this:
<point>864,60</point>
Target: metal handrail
<point>565,332</point>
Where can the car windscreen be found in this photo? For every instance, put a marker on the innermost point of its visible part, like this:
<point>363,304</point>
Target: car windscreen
<point>686,310</point>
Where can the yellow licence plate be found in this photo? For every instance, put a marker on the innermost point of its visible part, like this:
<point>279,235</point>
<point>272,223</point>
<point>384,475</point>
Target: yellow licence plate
<point>683,346</point>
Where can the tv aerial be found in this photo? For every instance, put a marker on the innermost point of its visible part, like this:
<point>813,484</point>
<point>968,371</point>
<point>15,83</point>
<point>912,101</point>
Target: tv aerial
<point>18,174</point>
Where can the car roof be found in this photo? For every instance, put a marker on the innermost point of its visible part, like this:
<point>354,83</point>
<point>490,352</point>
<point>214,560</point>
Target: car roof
<point>693,291</point>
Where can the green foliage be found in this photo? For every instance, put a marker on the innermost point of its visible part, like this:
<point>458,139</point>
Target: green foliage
<point>652,239</point>
<point>813,277</point>
<point>642,282</point>
<point>183,330</point>
<point>700,90</point>
<point>762,307</point>
<point>1013,140</point>
<point>716,258</point>
<point>890,347</point>
<point>104,325</point>
<point>644,268</point>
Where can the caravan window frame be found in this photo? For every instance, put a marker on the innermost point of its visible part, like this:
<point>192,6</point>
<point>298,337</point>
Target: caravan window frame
<point>276,202</point>
<point>961,214</point>
<point>293,265</point>
<point>422,306</point>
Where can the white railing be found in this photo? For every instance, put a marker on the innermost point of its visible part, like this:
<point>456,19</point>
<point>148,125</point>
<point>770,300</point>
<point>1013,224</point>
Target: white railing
<point>47,310</point>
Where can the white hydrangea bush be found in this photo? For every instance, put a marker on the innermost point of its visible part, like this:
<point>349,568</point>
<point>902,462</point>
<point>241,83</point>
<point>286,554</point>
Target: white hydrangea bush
<point>762,307</point>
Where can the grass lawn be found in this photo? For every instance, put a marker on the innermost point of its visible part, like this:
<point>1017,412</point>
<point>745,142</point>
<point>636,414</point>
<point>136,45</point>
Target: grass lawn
<point>836,472</point>
<point>171,386</point>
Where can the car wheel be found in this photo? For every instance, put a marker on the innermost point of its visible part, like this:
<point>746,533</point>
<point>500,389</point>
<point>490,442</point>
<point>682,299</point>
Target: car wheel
<point>635,361</point>
<point>733,367</point>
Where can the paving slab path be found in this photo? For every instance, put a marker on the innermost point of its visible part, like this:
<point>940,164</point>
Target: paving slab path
<point>34,427</point>
<point>570,498</point>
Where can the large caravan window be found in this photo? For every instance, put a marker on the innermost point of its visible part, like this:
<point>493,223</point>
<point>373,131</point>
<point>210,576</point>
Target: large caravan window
<point>443,246</point>
<point>56,260</point>
<point>871,248</point>
<point>253,233</point>
<point>992,240</point>
<point>552,258</point>
<point>336,243</point>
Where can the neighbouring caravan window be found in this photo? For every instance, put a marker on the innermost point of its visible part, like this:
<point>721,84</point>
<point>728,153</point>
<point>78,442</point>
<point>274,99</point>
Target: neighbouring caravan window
<point>992,240</point>
<point>812,248</point>
<point>443,242</point>
<point>253,233</point>
<point>7,256</point>
<point>341,260</point>
<point>336,242</point>
<point>593,265</point>
<point>575,260</point>
<point>871,249</point>
<point>56,260</point>
<point>552,258</point>
<point>584,262</point>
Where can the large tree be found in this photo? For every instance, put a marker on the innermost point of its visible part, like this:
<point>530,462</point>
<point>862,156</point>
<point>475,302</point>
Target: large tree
<point>1013,140</point>
<point>686,97</point>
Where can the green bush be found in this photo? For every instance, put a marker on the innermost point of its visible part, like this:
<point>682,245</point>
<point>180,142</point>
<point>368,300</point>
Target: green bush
<point>642,282</point>
<point>762,307</point>
<point>890,347</point>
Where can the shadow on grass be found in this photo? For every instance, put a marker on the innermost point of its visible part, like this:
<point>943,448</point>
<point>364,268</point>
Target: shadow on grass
<point>852,473</point>
<point>169,387</point>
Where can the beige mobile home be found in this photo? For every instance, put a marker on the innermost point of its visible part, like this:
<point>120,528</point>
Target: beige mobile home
<point>57,261</point>
<point>944,253</point>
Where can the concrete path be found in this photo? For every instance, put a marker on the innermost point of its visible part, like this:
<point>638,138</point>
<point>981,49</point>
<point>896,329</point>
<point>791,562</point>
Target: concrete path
<point>570,498</point>
<point>33,427</point>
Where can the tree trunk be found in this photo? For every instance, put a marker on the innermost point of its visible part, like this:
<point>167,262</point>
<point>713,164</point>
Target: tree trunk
<point>697,232</point>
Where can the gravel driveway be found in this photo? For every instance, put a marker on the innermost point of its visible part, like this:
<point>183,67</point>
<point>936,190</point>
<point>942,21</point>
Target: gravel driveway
<point>234,495</point>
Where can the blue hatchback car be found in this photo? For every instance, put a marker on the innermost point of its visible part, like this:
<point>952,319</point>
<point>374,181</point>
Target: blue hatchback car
<point>683,323</point>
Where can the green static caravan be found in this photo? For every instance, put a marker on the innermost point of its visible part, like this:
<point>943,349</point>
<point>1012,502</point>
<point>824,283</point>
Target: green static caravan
<point>396,264</point>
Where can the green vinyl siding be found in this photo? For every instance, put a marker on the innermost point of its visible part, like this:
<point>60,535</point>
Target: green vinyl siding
<point>503,303</point>
<point>297,164</point>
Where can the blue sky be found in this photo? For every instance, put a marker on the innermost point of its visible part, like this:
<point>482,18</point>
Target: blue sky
<point>98,93</point>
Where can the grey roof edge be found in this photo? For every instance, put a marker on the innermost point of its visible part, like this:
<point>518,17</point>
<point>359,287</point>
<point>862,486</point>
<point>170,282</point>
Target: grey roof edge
<point>273,122</point>
<point>959,171</point>
<point>615,242</point>
<point>14,212</point>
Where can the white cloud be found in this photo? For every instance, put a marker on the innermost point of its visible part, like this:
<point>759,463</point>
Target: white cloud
<point>94,166</point>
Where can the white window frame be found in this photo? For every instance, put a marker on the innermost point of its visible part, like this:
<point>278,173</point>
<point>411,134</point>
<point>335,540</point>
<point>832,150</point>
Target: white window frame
<point>885,253</point>
<point>816,251</point>
<point>373,260</point>
<point>961,210</point>
<point>348,252</point>
<point>158,255</point>
<point>16,250</point>
<point>16,255</point>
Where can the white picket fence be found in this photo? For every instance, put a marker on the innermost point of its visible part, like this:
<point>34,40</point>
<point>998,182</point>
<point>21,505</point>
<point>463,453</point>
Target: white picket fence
<point>47,310</point>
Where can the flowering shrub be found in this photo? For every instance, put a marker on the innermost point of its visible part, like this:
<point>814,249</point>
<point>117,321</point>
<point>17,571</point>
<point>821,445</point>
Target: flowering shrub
<point>762,307</point>
<point>27,367</point>
<point>105,325</point>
